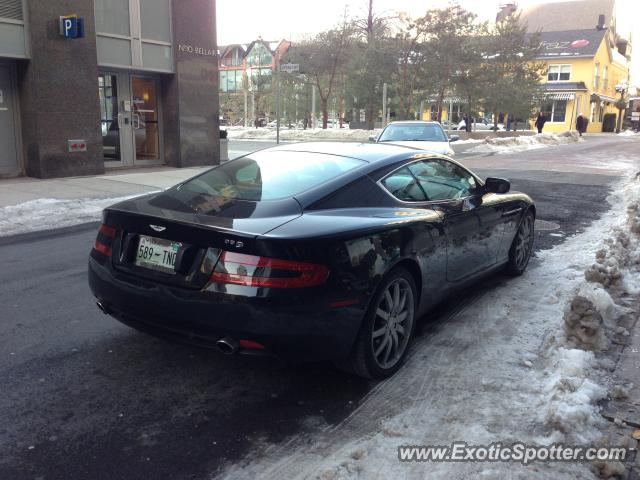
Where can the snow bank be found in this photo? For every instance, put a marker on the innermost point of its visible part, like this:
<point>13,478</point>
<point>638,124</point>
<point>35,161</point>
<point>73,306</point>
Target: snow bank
<point>628,133</point>
<point>301,134</point>
<point>519,144</point>
<point>49,213</point>
<point>500,369</point>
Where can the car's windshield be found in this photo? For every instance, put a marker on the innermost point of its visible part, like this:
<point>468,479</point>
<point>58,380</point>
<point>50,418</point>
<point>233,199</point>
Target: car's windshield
<point>424,132</point>
<point>269,175</point>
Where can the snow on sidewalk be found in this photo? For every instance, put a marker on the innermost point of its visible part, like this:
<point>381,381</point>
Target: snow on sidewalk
<point>344,134</point>
<point>50,213</point>
<point>518,144</point>
<point>502,369</point>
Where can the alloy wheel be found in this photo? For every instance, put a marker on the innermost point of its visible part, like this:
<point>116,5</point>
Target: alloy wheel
<point>524,242</point>
<point>393,323</point>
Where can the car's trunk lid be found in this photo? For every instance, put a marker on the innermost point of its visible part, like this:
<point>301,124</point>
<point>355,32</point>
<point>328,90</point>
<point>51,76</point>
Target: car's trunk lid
<point>196,232</point>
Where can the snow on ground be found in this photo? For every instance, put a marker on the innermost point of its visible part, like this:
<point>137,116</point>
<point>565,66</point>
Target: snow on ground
<point>50,213</point>
<point>301,134</point>
<point>628,133</point>
<point>506,366</point>
<point>519,144</point>
<point>345,134</point>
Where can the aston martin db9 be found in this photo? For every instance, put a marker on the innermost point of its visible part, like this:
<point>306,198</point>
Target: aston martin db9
<point>311,251</point>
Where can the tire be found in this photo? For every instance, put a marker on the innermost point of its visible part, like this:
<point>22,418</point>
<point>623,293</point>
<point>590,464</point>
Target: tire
<point>522,245</point>
<point>381,347</point>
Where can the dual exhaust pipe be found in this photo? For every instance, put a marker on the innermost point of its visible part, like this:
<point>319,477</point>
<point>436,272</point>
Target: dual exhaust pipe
<point>226,345</point>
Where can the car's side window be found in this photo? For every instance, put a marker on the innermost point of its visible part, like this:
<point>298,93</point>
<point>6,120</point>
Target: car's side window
<point>404,186</point>
<point>443,180</point>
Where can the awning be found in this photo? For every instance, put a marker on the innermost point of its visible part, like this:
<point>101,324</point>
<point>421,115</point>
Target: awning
<point>560,96</point>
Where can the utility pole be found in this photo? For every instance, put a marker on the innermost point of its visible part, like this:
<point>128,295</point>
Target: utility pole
<point>277,83</point>
<point>384,104</point>
<point>313,106</point>
<point>246,112</point>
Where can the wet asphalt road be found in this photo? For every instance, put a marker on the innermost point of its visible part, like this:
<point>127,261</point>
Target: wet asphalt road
<point>84,397</point>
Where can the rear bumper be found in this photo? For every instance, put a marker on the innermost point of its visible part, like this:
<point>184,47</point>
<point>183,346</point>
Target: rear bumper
<point>292,325</point>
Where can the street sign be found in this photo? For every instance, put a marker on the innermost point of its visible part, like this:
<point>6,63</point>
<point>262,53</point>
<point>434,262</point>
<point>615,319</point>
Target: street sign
<point>72,26</point>
<point>290,67</point>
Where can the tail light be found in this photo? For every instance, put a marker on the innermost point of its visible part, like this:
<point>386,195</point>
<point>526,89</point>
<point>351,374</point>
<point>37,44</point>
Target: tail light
<point>104,240</point>
<point>253,271</point>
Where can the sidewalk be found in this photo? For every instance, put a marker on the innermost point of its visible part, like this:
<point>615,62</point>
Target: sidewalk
<point>31,204</point>
<point>110,185</point>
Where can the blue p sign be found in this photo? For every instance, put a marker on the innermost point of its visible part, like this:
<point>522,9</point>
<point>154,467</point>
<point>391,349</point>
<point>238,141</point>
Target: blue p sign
<point>71,26</point>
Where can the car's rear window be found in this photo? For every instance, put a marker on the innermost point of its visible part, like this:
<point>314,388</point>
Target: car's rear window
<point>270,175</point>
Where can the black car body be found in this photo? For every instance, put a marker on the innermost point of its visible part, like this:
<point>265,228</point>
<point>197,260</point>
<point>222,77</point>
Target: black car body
<point>294,277</point>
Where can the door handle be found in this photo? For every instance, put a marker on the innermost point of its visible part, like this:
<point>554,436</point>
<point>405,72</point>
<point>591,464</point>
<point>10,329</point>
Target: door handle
<point>120,121</point>
<point>511,212</point>
<point>136,120</point>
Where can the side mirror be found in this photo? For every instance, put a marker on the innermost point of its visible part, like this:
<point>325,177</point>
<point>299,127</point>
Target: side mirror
<point>373,138</point>
<point>497,185</point>
<point>454,138</point>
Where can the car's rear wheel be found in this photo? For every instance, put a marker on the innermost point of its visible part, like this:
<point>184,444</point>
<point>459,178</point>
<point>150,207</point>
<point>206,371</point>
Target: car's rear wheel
<point>522,245</point>
<point>387,329</point>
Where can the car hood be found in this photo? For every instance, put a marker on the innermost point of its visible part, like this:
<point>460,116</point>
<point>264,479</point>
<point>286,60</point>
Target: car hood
<point>435,147</point>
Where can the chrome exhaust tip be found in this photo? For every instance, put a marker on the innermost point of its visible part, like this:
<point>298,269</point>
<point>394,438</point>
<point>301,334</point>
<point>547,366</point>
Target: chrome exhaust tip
<point>103,308</point>
<point>227,345</point>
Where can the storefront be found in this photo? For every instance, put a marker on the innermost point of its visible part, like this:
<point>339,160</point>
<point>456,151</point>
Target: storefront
<point>90,86</point>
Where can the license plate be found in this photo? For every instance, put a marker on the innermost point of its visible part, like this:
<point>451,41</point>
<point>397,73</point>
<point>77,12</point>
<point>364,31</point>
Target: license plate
<point>157,254</point>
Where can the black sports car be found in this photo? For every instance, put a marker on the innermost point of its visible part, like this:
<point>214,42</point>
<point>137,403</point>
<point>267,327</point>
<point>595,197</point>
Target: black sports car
<point>308,251</point>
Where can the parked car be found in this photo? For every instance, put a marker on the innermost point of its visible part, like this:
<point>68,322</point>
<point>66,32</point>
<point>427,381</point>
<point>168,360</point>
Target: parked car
<point>308,251</point>
<point>481,124</point>
<point>424,135</point>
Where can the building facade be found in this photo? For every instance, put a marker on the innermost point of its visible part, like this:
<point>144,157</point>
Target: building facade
<point>246,79</point>
<point>98,84</point>
<point>586,58</point>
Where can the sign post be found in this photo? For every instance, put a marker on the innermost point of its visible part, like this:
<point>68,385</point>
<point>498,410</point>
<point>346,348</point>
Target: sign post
<point>288,68</point>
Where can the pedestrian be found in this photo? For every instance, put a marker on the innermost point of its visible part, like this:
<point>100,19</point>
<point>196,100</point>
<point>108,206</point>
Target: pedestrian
<point>467,124</point>
<point>581,124</point>
<point>540,121</point>
<point>305,123</point>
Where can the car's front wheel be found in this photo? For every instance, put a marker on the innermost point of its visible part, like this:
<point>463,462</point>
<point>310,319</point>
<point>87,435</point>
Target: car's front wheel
<point>385,335</point>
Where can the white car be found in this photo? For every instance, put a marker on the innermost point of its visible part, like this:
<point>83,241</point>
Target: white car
<point>480,124</point>
<point>428,136</point>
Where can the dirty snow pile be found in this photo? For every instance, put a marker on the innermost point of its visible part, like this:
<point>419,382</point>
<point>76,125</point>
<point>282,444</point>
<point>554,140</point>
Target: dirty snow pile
<point>49,213</point>
<point>522,143</point>
<point>345,134</point>
<point>524,362</point>
<point>628,133</point>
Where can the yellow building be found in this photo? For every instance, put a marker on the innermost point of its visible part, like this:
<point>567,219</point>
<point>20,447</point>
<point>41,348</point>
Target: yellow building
<point>583,69</point>
<point>586,58</point>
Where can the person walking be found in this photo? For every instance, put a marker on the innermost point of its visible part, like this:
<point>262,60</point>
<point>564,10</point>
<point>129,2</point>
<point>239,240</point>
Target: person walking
<point>581,124</point>
<point>540,121</point>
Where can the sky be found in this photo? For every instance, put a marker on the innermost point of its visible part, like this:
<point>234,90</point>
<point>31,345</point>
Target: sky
<point>293,19</point>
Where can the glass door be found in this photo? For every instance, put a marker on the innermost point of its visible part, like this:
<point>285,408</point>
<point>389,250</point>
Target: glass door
<point>145,119</point>
<point>108,93</point>
<point>129,119</point>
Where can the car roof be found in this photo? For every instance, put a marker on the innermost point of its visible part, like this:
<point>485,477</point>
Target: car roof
<point>368,152</point>
<point>415,122</point>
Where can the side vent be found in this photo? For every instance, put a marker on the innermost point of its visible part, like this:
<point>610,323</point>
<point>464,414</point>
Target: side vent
<point>11,9</point>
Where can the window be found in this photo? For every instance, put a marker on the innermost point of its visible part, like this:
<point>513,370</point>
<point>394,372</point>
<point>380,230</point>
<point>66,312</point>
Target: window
<point>596,76</point>
<point>442,180</point>
<point>555,111</point>
<point>605,73</point>
<point>404,186</point>
<point>413,132</point>
<point>430,180</point>
<point>259,55</point>
<point>264,176</point>
<point>559,73</point>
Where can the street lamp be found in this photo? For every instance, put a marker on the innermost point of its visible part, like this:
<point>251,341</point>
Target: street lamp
<point>621,104</point>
